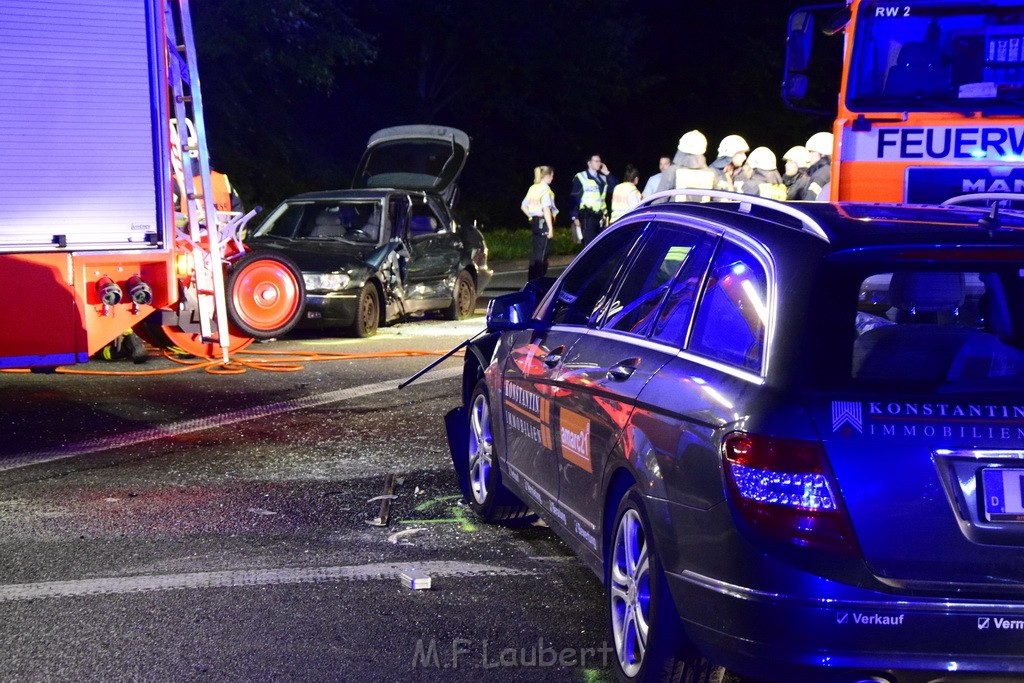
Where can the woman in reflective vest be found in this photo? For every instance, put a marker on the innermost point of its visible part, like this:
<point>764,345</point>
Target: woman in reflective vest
<point>539,207</point>
<point>625,196</point>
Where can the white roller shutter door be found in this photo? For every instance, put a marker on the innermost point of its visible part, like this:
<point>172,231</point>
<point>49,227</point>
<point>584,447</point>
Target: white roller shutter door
<point>77,144</point>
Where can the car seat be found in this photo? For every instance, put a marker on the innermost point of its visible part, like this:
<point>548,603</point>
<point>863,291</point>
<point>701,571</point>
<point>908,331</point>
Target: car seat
<point>328,224</point>
<point>923,345</point>
<point>919,69</point>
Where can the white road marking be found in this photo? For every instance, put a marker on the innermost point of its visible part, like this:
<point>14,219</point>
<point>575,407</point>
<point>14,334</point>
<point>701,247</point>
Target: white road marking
<point>246,578</point>
<point>200,424</point>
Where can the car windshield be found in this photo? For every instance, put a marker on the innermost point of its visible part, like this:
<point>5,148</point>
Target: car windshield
<point>351,221</point>
<point>937,57</point>
<point>948,330</point>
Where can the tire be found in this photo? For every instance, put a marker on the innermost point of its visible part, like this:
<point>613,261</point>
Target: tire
<point>463,298</point>
<point>266,294</point>
<point>488,497</point>
<point>367,313</point>
<point>650,644</point>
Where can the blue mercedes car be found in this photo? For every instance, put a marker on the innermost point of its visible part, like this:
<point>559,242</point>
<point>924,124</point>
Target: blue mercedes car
<point>789,438</point>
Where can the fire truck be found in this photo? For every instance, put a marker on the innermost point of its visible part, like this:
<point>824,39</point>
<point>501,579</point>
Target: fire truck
<point>931,98</point>
<point>92,241</point>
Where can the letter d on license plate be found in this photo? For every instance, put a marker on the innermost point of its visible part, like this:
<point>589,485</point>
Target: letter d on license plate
<point>1003,491</point>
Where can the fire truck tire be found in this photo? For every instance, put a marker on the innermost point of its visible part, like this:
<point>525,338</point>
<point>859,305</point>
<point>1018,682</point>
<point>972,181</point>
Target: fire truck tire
<point>265,294</point>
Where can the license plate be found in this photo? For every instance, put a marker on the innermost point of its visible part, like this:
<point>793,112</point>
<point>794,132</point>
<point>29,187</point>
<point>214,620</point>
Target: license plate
<point>1003,492</point>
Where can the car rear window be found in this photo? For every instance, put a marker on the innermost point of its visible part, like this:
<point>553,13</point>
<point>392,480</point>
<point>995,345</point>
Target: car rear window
<point>954,328</point>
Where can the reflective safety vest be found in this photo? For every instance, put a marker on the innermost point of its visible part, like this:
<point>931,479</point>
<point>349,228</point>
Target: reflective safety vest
<point>624,197</point>
<point>768,184</point>
<point>697,178</point>
<point>534,202</point>
<point>772,190</point>
<point>593,196</point>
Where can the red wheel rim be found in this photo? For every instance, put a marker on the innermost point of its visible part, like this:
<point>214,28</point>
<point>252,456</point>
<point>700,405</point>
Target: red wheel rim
<point>265,295</point>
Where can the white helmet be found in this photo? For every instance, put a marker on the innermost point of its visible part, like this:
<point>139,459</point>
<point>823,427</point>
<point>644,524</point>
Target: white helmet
<point>798,155</point>
<point>820,143</point>
<point>762,158</point>
<point>732,145</point>
<point>693,142</point>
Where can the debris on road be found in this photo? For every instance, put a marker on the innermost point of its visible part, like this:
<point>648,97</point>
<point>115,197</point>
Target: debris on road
<point>399,535</point>
<point>415,579</point>
<point>385,500</point>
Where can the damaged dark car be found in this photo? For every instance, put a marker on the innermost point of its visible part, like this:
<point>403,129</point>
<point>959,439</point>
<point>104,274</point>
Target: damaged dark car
<point>389,247</point>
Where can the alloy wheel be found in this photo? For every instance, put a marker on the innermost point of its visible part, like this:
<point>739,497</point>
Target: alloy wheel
<point>630,589</point>
<point>481,448</point>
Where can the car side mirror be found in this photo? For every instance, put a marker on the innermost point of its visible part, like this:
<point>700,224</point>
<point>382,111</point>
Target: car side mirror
<point>510,311</point>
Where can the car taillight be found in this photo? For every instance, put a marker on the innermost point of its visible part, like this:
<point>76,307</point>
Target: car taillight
<point>783,489</point>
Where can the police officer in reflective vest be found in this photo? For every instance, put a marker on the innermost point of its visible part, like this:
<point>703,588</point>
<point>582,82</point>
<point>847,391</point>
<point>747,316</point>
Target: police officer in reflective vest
<point>539,207</point>
<point>590,190</point>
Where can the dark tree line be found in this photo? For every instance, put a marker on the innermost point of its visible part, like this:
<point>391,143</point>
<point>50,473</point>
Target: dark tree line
<point>293,88</point>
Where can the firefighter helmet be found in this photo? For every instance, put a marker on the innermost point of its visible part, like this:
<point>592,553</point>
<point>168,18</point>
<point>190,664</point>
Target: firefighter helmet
<point>732,145</point>
<point>820,143</point>
<point>762,158</point>
<point>693,142</point>
<point>798,155</point>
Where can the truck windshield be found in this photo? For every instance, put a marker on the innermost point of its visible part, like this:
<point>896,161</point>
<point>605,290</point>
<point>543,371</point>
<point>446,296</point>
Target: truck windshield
<point>930,56</point>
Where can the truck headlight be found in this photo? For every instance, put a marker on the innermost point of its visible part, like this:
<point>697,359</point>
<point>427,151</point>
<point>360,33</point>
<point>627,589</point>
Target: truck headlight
<point>331,282</point>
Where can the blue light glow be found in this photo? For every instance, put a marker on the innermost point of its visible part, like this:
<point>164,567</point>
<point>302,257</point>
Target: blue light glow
<point>805,491</point>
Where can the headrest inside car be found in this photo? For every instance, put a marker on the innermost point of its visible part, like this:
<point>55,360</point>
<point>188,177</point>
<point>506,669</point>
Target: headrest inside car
<point>927,292</point>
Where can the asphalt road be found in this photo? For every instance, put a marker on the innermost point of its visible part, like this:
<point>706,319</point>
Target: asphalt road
<point>197,526</point>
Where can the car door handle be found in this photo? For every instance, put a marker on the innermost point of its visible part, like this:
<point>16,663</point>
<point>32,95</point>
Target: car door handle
<point>553,358</point>
<point>623,370</point>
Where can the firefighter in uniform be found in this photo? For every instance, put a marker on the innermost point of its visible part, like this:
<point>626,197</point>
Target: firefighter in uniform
<point>689,167</point>
<point>765,179</point>
<point>625,196</point>
<point>728,167</point>
<point>819,147</point>
<point>589,194</point>
<point>796,179</point>
<point>539,207</point>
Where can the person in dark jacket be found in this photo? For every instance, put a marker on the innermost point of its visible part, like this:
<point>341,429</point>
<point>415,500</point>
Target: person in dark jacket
<point>728,167</point>
<point>795,177</point>
<point>764,179</point>
<point>819,146</point>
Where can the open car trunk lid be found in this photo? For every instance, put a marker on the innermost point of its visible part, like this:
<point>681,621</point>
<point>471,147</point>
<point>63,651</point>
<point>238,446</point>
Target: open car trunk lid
<point>420,158</point>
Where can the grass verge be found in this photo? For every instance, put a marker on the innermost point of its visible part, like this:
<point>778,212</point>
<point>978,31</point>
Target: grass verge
<point>509,245</point>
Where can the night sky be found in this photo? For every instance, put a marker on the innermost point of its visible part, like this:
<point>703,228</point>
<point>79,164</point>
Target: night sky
<point>532,82</point>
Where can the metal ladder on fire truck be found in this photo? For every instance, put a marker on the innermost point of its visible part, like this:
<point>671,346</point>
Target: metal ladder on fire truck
<point>202,233</point>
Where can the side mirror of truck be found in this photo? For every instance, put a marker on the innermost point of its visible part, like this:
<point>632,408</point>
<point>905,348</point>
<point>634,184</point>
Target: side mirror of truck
<point>798,41</point>
<point>807,79</point>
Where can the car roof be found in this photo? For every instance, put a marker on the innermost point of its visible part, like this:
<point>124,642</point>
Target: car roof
<point>342,195</point>
<point>848,225</point>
